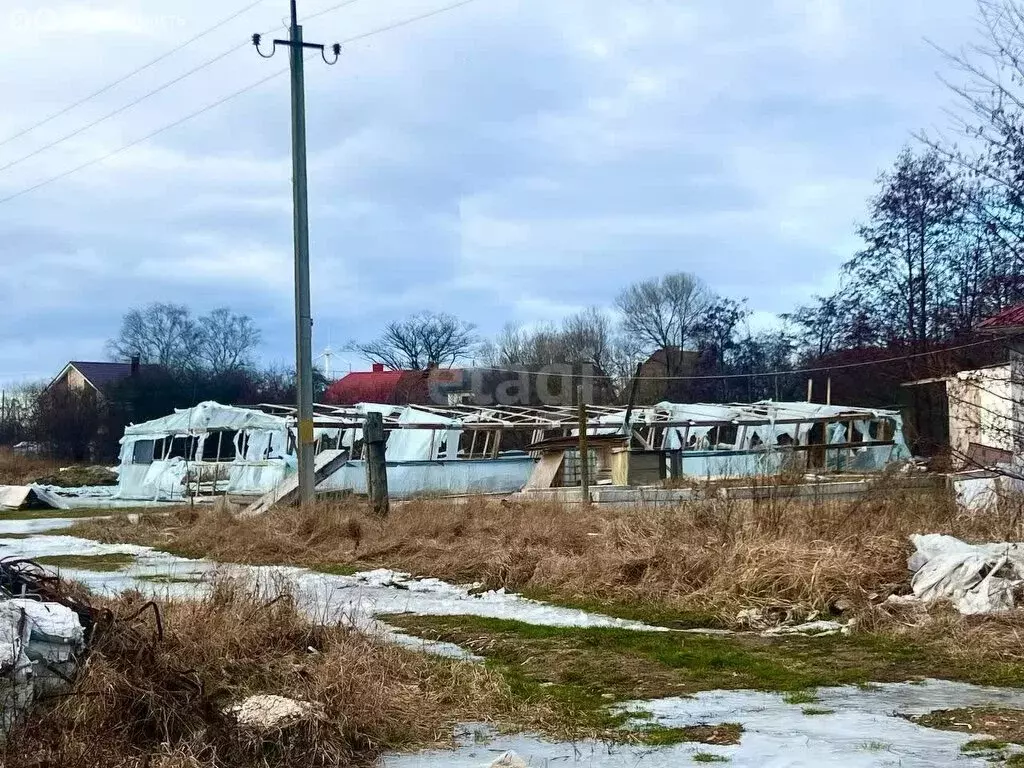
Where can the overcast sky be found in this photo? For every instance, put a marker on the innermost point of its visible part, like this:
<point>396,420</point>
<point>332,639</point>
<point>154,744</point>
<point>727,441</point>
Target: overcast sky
<point>509,160</point>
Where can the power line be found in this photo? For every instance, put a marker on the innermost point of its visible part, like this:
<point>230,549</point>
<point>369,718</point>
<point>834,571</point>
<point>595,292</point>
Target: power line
<point>121,109</point>
<point>411,20</point>
<point>156,90</point>
<point>147,137</point>
<point>131,74</point>
<point>821,369</point>
<point>153,92</point>
<point>328,10</point>
<point>227,98</point>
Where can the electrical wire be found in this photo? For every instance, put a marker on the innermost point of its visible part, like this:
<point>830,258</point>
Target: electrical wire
<point>121,109</point>
<point>760,374</point>
<point>142,139</point>
<point>334,7</point>
<point>406,22</point>
<point>155,91</point>
<point>227,98</point>
<point>131,74</point>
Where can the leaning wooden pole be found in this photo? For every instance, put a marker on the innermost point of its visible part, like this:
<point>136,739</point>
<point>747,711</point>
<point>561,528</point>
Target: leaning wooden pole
<point>376,463</point>
<point>627,422</point>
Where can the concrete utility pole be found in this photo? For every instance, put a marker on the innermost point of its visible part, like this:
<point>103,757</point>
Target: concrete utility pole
<point>305,443</point>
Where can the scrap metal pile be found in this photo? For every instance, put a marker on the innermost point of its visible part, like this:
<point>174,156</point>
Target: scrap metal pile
<point>45,631</point>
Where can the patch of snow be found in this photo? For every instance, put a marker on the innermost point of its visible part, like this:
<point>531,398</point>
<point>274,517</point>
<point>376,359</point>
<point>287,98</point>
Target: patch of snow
<point>865,731</point>
<point>18,527</point>
<point>357,599</point>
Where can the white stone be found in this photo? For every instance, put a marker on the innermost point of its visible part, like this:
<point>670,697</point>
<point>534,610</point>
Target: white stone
<point>266,712</point>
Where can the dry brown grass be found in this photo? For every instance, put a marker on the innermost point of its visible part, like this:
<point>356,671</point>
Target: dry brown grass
<point>16,469</point>
<point>714,555</point>
<point>142,701</point>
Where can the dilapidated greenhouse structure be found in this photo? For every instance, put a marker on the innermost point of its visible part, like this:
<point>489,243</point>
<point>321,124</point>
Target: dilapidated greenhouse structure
<point>212,449</point>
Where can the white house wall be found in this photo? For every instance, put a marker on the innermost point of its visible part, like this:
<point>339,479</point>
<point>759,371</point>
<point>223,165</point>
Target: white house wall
<point>980,409</point>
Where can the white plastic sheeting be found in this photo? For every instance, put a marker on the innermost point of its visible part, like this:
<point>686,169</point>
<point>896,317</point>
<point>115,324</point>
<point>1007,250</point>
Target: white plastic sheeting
<point>976,578</point>
<point>39,645</point>
<point>205,417</point>
<point>451,478</point>
<point>862,730</point>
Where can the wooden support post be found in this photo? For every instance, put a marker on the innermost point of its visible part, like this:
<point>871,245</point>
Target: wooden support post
<point>632,402</point>
<point>676,463</point>
<point>810,389</point>
<point>584,448</point>
<point>376,463</point>
<point>828,391</point>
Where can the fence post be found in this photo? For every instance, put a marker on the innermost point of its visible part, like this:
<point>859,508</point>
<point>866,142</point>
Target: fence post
<point>376,464</point>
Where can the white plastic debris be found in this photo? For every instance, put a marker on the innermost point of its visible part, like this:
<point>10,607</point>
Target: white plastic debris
<point>39,645</point>
<point>510,760</point>
<point>811,629</point>
<point>267,712</point>
<point>14,634</point>
<point>976,578</point>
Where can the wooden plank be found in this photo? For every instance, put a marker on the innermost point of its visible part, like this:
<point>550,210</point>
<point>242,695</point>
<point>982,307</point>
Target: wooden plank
<point>546,470</point>
<point>287,492</point>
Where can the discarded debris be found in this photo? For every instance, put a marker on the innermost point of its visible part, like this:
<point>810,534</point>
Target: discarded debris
<point>267,712</point>
<point>811,629</point>
<point>976,578</point>
<point>510,760</point>
<point>43,637</point>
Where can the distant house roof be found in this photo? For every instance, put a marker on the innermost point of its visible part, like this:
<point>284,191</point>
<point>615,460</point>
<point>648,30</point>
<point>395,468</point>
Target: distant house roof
<point>1008,320</point>
<point>99,375</point>
<point>378,386</point>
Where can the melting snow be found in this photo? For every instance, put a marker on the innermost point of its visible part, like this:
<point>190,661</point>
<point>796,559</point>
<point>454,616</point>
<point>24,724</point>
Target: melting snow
<point>357,598</point>
<point>864,731</point>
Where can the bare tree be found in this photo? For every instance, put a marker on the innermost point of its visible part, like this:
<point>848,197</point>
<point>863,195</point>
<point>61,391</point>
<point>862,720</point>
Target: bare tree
<point>168,335</point>
<point>161,334</point>
<point>421,340</point>
<point>585,337</point>
<point>226,340</point>
<point>989,114</point>
<point>665,314</point>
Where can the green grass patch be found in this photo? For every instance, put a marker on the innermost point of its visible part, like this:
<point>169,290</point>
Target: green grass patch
<point>707,757</point>
<point>662,736</point>
<point>620,664</point>
<point>113,562</point>
<point>984,745</point>
<point>69,514</point>
<point>1002,726</point>
<point>187,579</point>
<point>814,711</point>
<point>874,746</point>
<point>800,697</point>
<point>1015,761</point>
<point>645,612</point>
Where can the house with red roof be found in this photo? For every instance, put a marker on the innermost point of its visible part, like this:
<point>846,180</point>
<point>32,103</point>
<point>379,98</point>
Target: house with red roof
<point>379,385</point>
